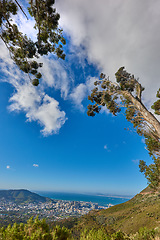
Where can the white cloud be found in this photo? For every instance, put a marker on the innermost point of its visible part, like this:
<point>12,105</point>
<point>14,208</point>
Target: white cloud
<point>25,25</point>
<point>33,101</point>
<point>110,33</point>
<point>38,106</point>
<point>78,95</point>
<point>117,33</point>
<point>35,165</point>
<point>49,115</point>
<point>54,72</point>
<point>55,75</point>
<point>8,167</point>
<point>81,91</point>
<point>105,146</point>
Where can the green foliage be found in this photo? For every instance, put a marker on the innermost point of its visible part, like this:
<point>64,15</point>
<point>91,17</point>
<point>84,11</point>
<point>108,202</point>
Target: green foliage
<point>94,234</point>
<point>36,229</point>
<point>61,233</point>
<point>101,234</point>
<point>119,236</point>
<point>126,80</point>
<point>145,234</point>
<point>156,105</point>
<point>151,172</point>
<point>35,82</point>
<point>127,92</point>
<point>24,50</point>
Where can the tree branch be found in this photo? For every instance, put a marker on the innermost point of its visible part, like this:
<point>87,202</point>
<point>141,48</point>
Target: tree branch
<point>21,8</point>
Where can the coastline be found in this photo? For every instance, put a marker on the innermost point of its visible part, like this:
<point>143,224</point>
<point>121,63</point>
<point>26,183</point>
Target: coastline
<point>102,200</point>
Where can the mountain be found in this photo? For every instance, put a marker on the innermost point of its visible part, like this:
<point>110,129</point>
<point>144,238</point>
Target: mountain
<point>143,210</point>
<point>22,196</point>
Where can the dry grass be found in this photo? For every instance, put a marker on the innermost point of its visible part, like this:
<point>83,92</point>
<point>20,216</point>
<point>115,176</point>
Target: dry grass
<point>141,211</point>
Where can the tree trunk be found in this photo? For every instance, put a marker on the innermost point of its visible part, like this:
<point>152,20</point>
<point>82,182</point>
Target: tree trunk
<point>148,116</point>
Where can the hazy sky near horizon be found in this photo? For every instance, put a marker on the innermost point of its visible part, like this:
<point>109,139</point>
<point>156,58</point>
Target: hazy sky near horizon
<point>47,140</point>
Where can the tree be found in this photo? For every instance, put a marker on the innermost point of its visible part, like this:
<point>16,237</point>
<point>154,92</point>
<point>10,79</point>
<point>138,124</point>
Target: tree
<point>127,92</point>
<point>23,50</point>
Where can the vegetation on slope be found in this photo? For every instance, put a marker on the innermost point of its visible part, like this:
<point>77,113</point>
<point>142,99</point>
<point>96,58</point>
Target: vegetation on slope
<point>140,212</point>
<point>129,217</point>
<point>39,230</point>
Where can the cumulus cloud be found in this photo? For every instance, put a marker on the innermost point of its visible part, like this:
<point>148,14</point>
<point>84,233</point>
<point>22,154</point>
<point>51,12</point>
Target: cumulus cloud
<point>8,167</point>
<point>55,75</point>
<point>38,107</point>
<point>81,91</point>
<point>78,95</point>
<point>35,165</point>
<point>49,115</point>
<point>117,33</point>
<point>109,34</point>
<point>34,102</point>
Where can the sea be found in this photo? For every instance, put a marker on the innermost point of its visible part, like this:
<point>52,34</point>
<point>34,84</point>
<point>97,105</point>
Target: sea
<point>102,200</point>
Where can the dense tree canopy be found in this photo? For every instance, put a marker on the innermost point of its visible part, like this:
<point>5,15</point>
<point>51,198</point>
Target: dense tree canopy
<point>23,50</point>
<point>127,92</point>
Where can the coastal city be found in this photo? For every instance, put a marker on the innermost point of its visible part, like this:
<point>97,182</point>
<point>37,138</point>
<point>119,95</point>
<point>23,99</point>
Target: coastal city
<point>52,210</point>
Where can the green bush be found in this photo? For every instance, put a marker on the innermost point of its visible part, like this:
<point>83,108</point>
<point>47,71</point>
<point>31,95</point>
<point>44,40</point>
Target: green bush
<point>119,236</point>
<point>94,234</point>
<point>36,229</point>
<point>146,234</point>
<point>61,233</point>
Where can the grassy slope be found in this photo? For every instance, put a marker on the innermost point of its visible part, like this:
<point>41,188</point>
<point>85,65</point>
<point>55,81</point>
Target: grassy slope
<point>141,211</point>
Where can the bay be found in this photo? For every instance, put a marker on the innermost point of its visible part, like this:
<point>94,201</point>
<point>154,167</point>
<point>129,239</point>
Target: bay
<point>102,200</point>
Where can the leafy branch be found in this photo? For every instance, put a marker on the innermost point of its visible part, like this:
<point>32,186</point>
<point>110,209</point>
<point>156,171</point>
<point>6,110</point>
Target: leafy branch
<point>23,50</point>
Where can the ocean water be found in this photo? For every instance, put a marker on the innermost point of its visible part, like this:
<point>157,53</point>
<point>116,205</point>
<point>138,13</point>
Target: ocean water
<point>100,199</point>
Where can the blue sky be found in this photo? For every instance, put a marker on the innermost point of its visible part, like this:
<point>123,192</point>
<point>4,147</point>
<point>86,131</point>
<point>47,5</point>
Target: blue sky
<point>47,140</point>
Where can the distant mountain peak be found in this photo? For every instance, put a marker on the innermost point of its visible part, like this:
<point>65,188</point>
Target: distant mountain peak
<point>22,196</point>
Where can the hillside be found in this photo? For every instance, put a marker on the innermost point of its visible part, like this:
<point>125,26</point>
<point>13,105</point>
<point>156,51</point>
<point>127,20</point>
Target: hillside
<point>21,196</point>
<point>143,210</point>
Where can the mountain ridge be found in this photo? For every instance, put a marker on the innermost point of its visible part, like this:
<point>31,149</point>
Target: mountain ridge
<point>140,211</point>
<point>22,196</point>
